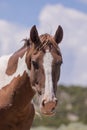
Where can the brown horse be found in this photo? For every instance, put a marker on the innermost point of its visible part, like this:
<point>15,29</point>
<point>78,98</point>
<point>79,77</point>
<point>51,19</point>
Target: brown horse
<point>33,68</point>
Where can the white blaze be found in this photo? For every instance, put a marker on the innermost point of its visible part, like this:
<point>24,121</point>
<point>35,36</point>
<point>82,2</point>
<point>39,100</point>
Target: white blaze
<point>21,67</point>
<point>47,63</point>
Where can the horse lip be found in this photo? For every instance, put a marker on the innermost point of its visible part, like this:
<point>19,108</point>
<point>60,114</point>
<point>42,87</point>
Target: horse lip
<point>48,113</point>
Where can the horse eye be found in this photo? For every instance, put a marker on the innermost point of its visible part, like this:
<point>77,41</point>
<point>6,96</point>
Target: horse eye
<point>59,62</point>
<point>35,64</point>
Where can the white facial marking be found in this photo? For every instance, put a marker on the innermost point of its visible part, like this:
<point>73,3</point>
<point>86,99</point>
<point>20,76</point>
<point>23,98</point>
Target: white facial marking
<point>47,63</point>
<point>21,67</point>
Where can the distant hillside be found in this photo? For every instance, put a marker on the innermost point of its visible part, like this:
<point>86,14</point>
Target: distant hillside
<point>72,107</point>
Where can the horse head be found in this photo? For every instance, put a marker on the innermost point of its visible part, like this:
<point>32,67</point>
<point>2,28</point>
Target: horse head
<point>44,60</point>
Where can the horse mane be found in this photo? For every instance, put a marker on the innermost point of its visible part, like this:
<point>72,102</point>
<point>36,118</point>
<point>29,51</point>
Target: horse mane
<point>26,42</point>
<point>48,38</point>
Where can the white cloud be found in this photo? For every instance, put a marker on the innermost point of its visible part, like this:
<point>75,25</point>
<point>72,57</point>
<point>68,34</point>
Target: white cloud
<point>10,37</point>
<point>74,45</point>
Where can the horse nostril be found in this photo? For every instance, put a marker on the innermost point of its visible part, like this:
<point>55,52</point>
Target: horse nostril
<point>43,103</point>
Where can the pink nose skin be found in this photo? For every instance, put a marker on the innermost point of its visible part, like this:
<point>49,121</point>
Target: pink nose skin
<point>48,107</point>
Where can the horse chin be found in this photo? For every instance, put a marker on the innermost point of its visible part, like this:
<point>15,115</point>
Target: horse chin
<point>48,113</point>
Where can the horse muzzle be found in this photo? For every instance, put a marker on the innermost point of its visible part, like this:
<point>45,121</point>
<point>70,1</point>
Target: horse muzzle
<point>48,106</point>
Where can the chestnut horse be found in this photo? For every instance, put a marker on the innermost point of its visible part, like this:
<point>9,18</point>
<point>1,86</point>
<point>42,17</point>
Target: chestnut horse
<point>33,68</point>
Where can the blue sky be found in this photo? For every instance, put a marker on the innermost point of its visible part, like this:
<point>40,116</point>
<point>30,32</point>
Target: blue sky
<point>26,12</point>
<point>18,16</point>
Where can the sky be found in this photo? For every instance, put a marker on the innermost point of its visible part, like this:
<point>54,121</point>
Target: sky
<point>18,16</point>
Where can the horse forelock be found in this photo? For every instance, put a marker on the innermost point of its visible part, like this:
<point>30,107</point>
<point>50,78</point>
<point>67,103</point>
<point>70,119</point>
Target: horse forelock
<point>46,37</point>
<point>48,40</point>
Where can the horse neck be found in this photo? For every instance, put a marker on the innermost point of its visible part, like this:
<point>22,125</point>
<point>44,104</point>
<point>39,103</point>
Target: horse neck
<point>26,92</point>
<point>16,79</point>
<point>23,91</point>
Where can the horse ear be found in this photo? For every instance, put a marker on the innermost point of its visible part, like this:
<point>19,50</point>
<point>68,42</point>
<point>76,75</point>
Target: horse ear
<point>34,36</point>
<point>59,34</point>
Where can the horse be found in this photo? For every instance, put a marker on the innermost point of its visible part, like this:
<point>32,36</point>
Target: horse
<point>34,68</point>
